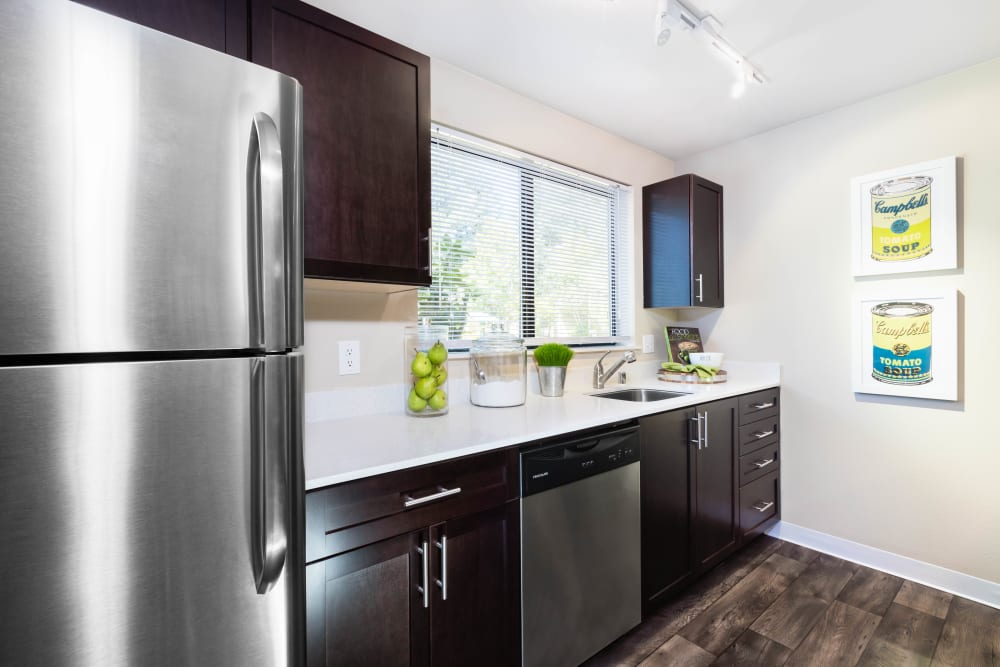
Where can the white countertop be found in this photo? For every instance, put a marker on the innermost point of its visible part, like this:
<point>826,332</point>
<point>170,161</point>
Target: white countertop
<point>342,449</point>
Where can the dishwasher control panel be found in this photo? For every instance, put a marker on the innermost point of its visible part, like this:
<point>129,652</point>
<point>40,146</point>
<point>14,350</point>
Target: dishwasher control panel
<point>561,463</point>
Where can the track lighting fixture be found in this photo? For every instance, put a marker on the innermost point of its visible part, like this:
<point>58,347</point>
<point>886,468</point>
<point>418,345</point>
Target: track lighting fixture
<point>671,15</point>
<point>674,14</point>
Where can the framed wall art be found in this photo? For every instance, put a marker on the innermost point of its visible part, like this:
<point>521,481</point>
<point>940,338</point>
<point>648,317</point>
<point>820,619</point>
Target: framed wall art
<point>906,344</point>
<point>905,219</point>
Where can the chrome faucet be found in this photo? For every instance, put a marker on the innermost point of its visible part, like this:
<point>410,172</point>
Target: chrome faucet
<point>601,376</point>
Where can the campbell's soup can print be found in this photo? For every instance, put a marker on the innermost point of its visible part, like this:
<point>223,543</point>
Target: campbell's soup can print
<point>901,342</point>
<point>901,219</point>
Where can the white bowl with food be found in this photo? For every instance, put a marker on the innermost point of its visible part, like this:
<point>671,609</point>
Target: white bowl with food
<point>707,359</point>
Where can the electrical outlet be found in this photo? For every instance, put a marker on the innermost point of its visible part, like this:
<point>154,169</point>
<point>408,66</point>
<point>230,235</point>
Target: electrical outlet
<point>647,344</point>
<point>350,357</point>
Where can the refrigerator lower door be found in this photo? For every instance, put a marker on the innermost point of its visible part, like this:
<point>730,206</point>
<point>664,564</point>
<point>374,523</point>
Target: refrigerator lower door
<point>151,195</point>
<point>132,531</point>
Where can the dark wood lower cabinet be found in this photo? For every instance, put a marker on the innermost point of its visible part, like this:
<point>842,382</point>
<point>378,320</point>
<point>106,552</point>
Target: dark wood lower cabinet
<point>665,483</point>
<point>363,609</point>
<point>689,475</point>
<point>474,621</point>
<point>368,607</point>
<point>714,523</point>
<point>398,574</point>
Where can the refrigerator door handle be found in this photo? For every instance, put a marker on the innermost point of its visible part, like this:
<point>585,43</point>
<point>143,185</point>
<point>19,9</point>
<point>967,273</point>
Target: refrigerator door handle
<point>269,474</point>
<point>266,237</point>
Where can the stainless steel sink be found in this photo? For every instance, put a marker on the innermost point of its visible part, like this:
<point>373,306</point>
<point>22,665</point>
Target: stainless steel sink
<point>641,395</point>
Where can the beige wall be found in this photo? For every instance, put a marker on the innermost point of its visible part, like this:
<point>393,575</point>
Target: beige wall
<point>479,107</point>
<point>918,478</point>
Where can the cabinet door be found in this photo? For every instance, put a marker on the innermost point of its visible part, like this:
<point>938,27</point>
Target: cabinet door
<point>682,243</point>
<point>706,243</point>
<point>217,24</point>
<point>366,128</point>
<point>476,584</point>
<point>714,516</point>
<point>666,237</point>
<point>665,476</point>
<point>366,607</point>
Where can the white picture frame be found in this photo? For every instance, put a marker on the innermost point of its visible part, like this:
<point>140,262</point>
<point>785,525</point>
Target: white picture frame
<point>901,324</point>
<point>912,236</point>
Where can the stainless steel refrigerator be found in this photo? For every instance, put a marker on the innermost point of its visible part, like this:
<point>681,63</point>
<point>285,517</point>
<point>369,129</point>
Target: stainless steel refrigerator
<point>150,320</point>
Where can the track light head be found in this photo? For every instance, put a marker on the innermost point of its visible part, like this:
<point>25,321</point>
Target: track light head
<point>670,15</point>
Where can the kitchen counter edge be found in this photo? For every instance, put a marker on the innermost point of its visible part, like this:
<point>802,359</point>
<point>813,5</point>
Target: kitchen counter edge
<point>342,450</point>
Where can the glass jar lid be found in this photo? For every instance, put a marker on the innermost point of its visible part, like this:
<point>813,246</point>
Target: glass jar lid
<point>498,341</point>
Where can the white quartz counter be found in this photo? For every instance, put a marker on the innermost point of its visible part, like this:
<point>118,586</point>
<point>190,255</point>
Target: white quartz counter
<point>341,449</point>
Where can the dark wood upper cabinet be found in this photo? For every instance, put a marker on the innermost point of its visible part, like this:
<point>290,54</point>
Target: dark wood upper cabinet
<point>682,243</point>
<point>217,24</point>
<point>367,142</point>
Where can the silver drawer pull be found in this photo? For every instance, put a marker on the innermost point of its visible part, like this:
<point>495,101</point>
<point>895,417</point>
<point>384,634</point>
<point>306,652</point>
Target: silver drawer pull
<point>763,463</point>
<point>762,434</point>
<point>763,507</point>
<point>410,501</point>
<point>761,406</point>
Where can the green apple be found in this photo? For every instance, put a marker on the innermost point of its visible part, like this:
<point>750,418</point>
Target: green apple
<point>415,403</point>
<point>438,400</point>
<point>425,387</point>
<point>421,366</point>
<point>440,375</point>
<point>438,353</point>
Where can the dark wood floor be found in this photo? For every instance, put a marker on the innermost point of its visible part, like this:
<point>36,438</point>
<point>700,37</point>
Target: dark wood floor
<point>776,603</point>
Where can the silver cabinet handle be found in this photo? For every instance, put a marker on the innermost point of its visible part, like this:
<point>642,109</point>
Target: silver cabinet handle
<point>410,501</point>
<point>762,434</point>
<point>423,588</point>
<point>763,463</point>
<point>761,406</point>
<point>697,420</point>
<point>763,506</point>
<point>430,252</point>
<point>443,581</point>
<point>701,285</point>
<point>706,429</point>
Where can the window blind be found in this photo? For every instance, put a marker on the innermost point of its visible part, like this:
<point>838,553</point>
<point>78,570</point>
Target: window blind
<point>526,245</point>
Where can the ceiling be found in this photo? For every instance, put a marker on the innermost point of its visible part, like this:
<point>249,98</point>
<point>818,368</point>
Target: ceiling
<point>597,59</point>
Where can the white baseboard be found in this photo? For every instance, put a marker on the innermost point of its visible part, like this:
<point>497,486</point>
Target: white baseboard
<point>950,581</point>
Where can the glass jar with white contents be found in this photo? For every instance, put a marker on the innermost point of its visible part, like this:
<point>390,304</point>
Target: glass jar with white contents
<point>497,371</point>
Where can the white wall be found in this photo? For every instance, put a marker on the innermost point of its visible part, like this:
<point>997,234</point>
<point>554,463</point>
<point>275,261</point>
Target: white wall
<point>918,478</point>
<point>477,106</point>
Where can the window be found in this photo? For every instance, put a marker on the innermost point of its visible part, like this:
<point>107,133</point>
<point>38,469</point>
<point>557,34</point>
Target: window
<point>539,249</point>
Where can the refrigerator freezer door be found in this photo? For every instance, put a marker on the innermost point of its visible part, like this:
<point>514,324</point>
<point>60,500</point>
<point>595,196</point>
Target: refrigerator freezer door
<point>128,514</point>
<point>137,214</point>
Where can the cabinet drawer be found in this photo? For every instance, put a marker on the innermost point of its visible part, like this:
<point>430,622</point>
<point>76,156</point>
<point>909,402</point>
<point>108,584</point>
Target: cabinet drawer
<point>361,512</point>
<point>759,434</point>
<point>758,463</point>
<point>759,405</point>
<point>758,502</point>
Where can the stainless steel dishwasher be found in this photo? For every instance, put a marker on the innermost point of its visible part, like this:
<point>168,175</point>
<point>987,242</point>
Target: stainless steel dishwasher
<point>580,551</point>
